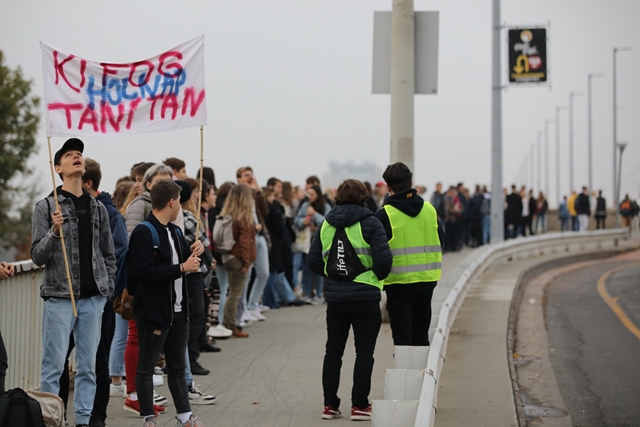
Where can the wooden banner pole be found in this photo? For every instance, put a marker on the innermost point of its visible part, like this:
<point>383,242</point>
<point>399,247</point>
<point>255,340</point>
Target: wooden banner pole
<point>198,217</point>
<point>64,249</point>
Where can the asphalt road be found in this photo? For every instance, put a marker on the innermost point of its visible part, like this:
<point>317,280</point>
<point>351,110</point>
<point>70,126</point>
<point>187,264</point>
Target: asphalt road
<point>594,342</point>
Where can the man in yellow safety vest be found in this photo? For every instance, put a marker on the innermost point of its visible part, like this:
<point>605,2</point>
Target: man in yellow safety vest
<point>411,224</point>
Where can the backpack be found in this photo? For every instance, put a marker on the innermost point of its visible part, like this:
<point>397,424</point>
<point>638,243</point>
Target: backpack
<point>51,406</point>
<point>223,234</point>
<point>485,208</point>
<point>124,289</point>
<point>17,408</point>
<point>343,262</point>
<point>625,208</point>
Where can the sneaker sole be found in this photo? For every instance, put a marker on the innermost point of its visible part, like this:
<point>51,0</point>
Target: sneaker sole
<point>361,418</point>
<point>129,409</point>
<point>330,417</point>
<point>203,402</point>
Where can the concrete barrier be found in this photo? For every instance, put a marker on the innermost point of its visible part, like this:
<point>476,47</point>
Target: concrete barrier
<point>512,249</point>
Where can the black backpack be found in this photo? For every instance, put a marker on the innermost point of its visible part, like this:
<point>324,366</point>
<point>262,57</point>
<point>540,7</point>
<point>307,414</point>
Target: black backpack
<point>17,408</point>
<point>343,262</point>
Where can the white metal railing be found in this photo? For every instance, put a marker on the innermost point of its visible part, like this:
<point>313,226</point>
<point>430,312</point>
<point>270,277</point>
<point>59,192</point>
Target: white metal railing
<point>21,325</point>
<point>427,405</point>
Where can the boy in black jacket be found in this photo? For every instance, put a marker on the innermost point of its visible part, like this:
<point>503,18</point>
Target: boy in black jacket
<point>161,300</point>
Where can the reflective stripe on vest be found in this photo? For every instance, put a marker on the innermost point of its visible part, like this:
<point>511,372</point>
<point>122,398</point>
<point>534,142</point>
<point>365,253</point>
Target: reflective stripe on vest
<point>362,248</point>
<point>415,245</point>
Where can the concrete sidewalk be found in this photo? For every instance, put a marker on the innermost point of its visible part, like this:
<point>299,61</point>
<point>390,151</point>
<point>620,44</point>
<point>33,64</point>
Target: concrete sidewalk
<point>274,377</point>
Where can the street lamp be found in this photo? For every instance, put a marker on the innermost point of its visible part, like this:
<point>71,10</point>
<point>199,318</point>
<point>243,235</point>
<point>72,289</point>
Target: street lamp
<point>571,95</point>
<point>590,131</point>
<point>615,123</point>
<point>558,109</point>
<point>539,181</point>
<point>621,146</point>
<point>546,158</point>
<point>532,182</point>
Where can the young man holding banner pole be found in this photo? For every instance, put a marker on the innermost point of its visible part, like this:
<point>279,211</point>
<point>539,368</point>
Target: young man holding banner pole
<point>70,215</point>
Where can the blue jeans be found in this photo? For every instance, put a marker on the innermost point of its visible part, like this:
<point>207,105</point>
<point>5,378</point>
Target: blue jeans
<point>564,224</point>
<point>270,296</point>
<point>574,223</point>
<point>262,273</point>
<point>187,369</point>
<point>223,282</point>
<point>278,290</point>
<point>486,229</point>
<point>57,325</point>
<point>116,354</point>
<point>307,280</point>
<point>542,220</point>
<point>297,264</point>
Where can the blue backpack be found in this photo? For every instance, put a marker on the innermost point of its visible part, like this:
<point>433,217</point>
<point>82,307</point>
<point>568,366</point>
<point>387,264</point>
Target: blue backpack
<point>125,286</point>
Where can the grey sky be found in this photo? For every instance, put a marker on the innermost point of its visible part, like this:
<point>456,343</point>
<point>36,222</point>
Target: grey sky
<point>289,84</point>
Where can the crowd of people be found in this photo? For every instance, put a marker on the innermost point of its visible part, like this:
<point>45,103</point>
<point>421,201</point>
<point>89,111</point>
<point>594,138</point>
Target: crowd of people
<point>197,276</point>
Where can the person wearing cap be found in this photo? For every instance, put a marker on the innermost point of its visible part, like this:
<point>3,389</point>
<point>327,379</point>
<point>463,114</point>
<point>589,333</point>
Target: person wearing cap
<point>411,224</point>
<point>84,225</point>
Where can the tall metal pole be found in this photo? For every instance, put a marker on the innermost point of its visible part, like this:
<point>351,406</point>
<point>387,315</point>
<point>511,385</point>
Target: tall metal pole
<point>615,131</point>
<point>546,157</point>
<point>571,95</point>
<point>539,181</point>
<point>590,131</point>
<point>558,194</point>
<point>402,83</point>
<point>497,214</point>
<point>621,146</point>
<point>532,172</point>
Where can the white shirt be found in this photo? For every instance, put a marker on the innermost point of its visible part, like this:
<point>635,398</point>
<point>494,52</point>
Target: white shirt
<point>177,307</point>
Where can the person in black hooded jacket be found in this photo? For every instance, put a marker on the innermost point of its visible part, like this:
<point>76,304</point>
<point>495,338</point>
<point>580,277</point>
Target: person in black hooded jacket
<point>351,303</point>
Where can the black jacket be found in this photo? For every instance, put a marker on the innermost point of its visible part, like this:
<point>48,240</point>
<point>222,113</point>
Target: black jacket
<point>154,273</point>
<point>583,207</point>
<point>343,216</point>
<point>409,203</point>
<point>513,214</point>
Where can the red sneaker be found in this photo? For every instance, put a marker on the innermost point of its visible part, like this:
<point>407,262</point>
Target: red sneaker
<point>331,413</point>
<point>358,414</point>
<point>134,407</point>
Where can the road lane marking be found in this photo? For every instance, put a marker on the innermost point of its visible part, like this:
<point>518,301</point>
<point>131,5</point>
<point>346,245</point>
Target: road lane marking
<point>612,302</point>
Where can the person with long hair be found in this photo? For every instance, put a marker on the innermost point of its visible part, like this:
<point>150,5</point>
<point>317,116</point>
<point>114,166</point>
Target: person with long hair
<point>238,205</point>
<point>309,218</point>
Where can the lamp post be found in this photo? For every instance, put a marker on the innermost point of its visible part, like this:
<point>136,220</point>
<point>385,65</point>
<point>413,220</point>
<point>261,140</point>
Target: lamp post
<point>497,215</point>
<point>621,146</point>
<point>558,109</point>
<point>532,172</point>
<point>571,95</point>
<point>615,125</point>
<point>539,181</point>
<point>546,157</point>
<point>591,130</point>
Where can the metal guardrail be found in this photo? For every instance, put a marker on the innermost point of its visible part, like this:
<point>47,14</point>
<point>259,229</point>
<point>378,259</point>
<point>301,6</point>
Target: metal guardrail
<point>427,405</point>
<point>21,325</point>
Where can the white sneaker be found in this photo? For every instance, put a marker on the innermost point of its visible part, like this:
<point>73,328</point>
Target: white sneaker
<point>264,308</point>
<point>245,323</point>
<point>119,390</point>
<point>219,332</point>
<point>159,399</point>
<point>248,316</point>
<point>256,313</point>
<point>196,397</point>
<point>158,380</point>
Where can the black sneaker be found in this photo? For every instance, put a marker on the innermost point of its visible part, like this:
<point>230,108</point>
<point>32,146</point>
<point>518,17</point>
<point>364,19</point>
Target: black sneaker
<point>94,422</point>
<point>208,348</point>
<point>197,369</point>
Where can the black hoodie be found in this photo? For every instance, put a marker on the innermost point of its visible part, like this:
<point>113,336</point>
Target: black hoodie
<point>343,216</point>
<point>409,203</point>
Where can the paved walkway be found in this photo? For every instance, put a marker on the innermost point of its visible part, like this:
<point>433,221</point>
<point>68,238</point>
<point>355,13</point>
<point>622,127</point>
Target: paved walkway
<point>273,378</point>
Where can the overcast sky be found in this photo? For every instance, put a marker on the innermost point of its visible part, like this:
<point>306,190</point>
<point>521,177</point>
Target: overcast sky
<point>289,84</point>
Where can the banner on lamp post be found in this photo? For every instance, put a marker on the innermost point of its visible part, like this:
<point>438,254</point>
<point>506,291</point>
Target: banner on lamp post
<point>528,55</point>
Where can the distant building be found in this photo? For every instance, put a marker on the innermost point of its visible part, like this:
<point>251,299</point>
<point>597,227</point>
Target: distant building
<point>338,172</point>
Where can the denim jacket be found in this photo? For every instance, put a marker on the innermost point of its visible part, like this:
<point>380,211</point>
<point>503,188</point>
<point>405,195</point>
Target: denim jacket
<point>46,248</point>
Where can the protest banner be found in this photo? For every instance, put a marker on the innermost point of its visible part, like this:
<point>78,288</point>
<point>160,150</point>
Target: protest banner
<point>93,98</point>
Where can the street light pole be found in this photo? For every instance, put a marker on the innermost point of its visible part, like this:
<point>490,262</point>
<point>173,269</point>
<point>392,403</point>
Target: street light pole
<point>532,181</point>
<point>615,128</point>
<point>497,214</point>
<point>621,146</point>
<point>591,131</point>
<point>539,181</point>
<point>571,95</point>
<point>558,109</point>
<point>546,157</point>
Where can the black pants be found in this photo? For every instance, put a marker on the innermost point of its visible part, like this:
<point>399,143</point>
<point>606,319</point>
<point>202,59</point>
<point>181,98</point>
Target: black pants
<point>451,236</point>
<point>195,287</point>
<point>365,318</point>
<point>4,364</point>
<point>409,318</point>
<point>600,222</point>
<point>103,380</point>
<point>151,341</point>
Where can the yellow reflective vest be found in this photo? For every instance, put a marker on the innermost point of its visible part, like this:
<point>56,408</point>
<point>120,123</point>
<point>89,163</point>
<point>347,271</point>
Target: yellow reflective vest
<point>415,246</point>
<point>362,248</point>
